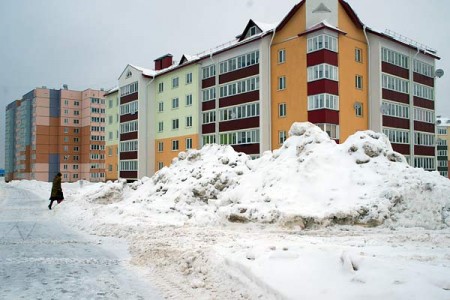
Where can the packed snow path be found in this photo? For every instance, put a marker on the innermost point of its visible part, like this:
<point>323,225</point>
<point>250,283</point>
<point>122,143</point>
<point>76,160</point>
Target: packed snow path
<point>40,258</point>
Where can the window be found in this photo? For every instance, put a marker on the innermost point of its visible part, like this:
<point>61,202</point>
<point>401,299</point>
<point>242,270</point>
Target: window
<point>75,140</point>
<point>441,142</point>
<point>175,103</point>
<point>75,167</point>
<point>323,101</point>
<point>281,137</point>
<point>423,68</point>
<point>76,130</point>
<point>209,117</point>
<point>66,139</point>
<point>161,126</point>
<point>239,87</point>
<point>110,168</point>
<point>282,110</point>
<point>252,31</point>
<point>76,112</point>
<point>66,102</point>
<point>281,56</point>
<point>239,62</point>
<point>281,83</point>
<point>126,90</point>
<point>427,163</point>
<point>322,41</point>
<point>175,124</point>
<point>188,78</point>
<point>331,129</point>
<point>189,121</point>
<point>66,121</point>
<point>175,145</point>
<point>358,55</point>
<point>240,137</point>
<point>128,165</point>
<point>110,151</point>
<point>66,130</point>
<point>65,167</point>
<point>424,139</point>
<point>110,119</point>
<point>394,58</point>
<point>161,87</point>
<point>209,139</point>
<point>424,115</point>
<point>175,82</point>
<point>129,146</point>
<point>188,143</point>
<point>442,130</point>
<point>161,106</point>
<point>395,110</point>
<point>189,100</point>
<point>66,111</point>
<point>76,158</point>
<point>160,146</point>
<point>129,108</point>
<point>359,82</point>
<point>131,126</point>
<point>323,71</point>
<point>209,94</point>
<point>442,153</point>
<point>395,83</point>
<point>110,103</point>
<point>160,165</point>
<point>358,106</point>
<point>76,103</point>
<point>208,72</point>
<point>110,135</point>
<point>423,91</point>
<point>239,112</point>
<point>66,148</point>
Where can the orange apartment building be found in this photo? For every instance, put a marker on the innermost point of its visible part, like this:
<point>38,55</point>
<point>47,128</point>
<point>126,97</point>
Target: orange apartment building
<point>51,131</point>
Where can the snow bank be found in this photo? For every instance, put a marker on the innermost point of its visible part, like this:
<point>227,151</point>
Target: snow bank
<point>309,182</point>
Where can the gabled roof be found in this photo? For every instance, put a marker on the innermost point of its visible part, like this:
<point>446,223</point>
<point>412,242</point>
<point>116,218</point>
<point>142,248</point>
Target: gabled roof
<point>350,12</point>
<point>322,25</point>
<point>112,91</point>
<point>187,58</point>
<point>145,72</point>
<point>264,27</point>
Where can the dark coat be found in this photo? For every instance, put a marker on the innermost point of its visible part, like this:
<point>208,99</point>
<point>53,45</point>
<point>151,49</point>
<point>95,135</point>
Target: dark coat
<point>57,193</point>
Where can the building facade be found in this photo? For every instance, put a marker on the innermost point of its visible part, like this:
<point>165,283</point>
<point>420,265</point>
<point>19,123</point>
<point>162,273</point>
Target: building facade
<point>112,134</point>
<point>50,131</point>
<point>443,140</point>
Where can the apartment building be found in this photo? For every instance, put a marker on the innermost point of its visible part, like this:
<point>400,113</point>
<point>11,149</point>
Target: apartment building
<point>112,134</point>
<point>319,70</point>
<point>234,91</point>
<point>50,131</point>
<point>177,109</point>
<point>443,140</point>
<point>136,123</point>
<point>319,64</point>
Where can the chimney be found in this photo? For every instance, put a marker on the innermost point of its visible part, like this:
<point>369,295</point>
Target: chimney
<point>65,86</point>
<point>163,62</point>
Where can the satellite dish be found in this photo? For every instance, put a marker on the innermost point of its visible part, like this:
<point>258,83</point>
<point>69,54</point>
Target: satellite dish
<point>439,73</point>
<point>384,109</point>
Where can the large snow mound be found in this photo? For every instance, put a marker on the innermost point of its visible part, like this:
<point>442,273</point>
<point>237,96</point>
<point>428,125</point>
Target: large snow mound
<point>310,181</point>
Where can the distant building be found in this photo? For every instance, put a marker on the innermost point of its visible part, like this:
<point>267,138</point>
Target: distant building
<point>50,131</point>
<point>112,134</point>
<point>443,140</point>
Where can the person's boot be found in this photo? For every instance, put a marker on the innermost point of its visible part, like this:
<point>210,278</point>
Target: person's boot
<point>50,206</point>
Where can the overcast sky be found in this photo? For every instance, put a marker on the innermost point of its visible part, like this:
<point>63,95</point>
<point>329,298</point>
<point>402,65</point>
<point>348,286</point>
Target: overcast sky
<point>88,43</point>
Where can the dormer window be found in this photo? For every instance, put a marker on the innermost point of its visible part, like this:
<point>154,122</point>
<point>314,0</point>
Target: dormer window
<point>129,74</point>
<point>252,31</point>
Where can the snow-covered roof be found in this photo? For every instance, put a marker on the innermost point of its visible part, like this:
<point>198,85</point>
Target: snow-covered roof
<point>321,25</point>
<point>146,72</point>
<point>112,90</point>
<point>265,26</point>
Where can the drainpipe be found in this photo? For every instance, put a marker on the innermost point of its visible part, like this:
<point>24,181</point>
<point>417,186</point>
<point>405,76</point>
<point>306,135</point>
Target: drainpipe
<point>411,108</point>
<point>216,106</point>
<point>270,88</point>
<point>369,102</point>
<point>148,171</point>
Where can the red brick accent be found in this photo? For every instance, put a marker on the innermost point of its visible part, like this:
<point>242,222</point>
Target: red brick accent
<point>323,86</point>
<point>395,122</point>
<point>394,70</point>
<point>323,116</point>
<point>239,74</point>
<point>239,124</point>
<point>239,99</point>
<point>321,57</point>
<point>395,96</point>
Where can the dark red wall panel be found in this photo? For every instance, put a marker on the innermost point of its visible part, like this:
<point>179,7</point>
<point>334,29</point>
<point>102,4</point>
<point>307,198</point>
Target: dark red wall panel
<point>128,174</point>
<point>239,99</point>
<point>208,128</point>
<point>323,116</point>
<point>394,70</point>
<point>247,149</point>
<point>239,124</point>
<point>422,126</point>
<point>424,150</point>
<point>323,86</point>
<point>423,79</point>
<point>126,118</point>
<point>129,155</point>
<point>395,122</point>
<point>401,148</point>
<point>322,57</point>
<point>129,136</point>
<point>425,103</point>
<point>129,98</point>
<point>209,82</point>
<point>239,74</point>
<point>208,105</point>
<point>395,96</point>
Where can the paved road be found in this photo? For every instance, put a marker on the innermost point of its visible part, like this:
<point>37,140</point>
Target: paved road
<point>40,258</point>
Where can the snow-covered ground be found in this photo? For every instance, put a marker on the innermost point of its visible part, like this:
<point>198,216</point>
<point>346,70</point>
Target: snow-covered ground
<point>311,220</point>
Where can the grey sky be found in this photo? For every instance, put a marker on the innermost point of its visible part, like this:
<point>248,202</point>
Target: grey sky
<point>87,43</point>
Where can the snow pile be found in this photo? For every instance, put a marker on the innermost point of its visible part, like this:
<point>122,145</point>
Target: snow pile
<point>310,181</point>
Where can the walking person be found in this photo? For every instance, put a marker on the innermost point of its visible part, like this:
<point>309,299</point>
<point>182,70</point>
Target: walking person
<point>57,193</point>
